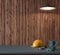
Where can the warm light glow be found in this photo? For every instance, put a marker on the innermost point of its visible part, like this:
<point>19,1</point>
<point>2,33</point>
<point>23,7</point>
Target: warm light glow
<point>47,8</point>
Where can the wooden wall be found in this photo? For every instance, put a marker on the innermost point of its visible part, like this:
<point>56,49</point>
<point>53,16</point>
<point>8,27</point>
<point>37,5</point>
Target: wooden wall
<point>21,22</point>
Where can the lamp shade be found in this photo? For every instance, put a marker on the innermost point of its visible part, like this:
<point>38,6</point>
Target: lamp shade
<point>47,7</point>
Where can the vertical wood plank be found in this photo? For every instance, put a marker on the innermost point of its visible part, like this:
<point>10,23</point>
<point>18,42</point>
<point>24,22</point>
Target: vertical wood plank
<point>7,22</point>
<point>13,23</point>
<point>3,21</point>
<point>21,4</point>
<point>26,20</point>
<point>18,22</point>
<point>0,23</point>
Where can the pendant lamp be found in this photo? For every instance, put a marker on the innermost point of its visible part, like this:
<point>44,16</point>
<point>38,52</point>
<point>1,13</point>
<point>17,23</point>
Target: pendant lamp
<point>47,7</point>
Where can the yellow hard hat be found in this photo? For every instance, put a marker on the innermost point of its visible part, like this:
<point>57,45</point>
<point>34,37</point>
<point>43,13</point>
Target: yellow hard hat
<point>37,43</point>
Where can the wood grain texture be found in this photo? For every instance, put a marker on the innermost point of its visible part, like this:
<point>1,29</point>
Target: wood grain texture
<point>21,22</point>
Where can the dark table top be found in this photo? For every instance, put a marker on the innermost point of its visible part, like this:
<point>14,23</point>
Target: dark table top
<point>26,50</point>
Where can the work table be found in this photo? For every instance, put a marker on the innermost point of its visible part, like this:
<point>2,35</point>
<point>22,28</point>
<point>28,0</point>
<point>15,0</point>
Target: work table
<point>26,50</point>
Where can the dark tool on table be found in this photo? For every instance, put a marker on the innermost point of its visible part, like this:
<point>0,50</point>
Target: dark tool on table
<point>51,46</point>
